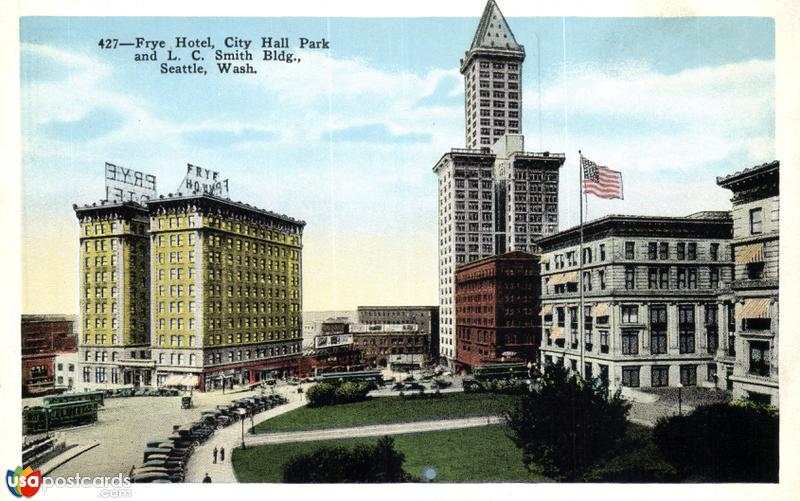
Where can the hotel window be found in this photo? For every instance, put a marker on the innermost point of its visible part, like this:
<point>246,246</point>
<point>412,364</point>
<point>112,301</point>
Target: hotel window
<point>711,373</point>
<point>604,341</point>
<point>659,375</point>
<point>714,251</point>
<point>692,280</point>
<point>602,276</point>
<point>688,375</point>
<point>713,277</point>
<point>630,278</point>
<point>86,373</point>
<point>630,342</point>
<point>686,328</point>
<point>629,250</point>
<point>681,251</point>
<point>663,278</point>
<point>658,329</point>
<point>759,358</point>
<point>587,281</point>
<point>602,252</point>
<point>712,328</point>
<point>652,250</point>
<point>756,216</point>
<point>630,314</point>
<point>630,377</point>
<point>681,284</point>
<point>691,251</point>
<point>663,250</point>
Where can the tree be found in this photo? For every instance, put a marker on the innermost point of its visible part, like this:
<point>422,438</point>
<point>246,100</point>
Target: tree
<point>567,424</point>
<point>722,443</point>
<point>378,463</point>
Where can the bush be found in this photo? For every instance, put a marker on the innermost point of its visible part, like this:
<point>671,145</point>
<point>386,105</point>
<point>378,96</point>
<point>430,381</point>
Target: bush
<point>567,425</point>
<point>722,443</point>
<point>322,394</point>
<point>379,463</point>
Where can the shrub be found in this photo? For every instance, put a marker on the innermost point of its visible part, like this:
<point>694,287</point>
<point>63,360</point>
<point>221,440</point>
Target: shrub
<point>321,394</point>
<point>379,463</point>
<point>329,394</point>
<point>567,425</point>
<point>722,443</point>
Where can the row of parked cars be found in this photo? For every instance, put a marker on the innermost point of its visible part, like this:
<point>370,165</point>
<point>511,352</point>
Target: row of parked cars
<point>165,459</point>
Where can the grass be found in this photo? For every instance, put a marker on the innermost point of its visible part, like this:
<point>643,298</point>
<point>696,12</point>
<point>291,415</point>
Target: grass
<point>482,454</point>
<point>389,410</point>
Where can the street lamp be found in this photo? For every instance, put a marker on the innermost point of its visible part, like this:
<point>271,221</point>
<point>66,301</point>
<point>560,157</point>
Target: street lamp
<point>243,417</point>
<point>680,399</point>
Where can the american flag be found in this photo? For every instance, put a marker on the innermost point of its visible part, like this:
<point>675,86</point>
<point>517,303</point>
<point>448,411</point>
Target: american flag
<point>601,181</point>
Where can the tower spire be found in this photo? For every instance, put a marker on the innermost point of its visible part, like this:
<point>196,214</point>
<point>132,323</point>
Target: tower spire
<point>493,30</point>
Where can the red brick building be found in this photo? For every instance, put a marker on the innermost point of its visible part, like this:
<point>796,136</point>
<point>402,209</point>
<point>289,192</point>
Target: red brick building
<point>43,336</point>
<point>497,305</point>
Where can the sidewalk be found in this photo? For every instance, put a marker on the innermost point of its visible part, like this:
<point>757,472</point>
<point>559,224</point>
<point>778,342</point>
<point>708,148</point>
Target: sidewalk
<point>201,461</point>
<point>376,430</point>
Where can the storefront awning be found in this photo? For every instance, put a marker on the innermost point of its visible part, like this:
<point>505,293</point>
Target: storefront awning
<point>546,310</point>
<point>753,253</point>
<point>556,333</point>
<point>600,310</point>
<point>563,278</point>
<point>180,380</point>
<point>754,308</point>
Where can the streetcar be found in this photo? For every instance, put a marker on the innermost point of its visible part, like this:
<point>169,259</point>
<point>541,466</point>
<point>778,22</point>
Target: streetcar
<point>500,371</point>
<point>42,419</point>
<point>94,396</point>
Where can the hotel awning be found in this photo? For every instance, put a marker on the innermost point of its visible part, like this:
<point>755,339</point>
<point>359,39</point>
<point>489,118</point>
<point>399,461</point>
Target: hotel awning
<point>563,278</point>
<point>754,308</point>
<point>600,310</point>
<point>753,253</point>
<point>546,310</point>
<point>556,333</point>
<point>180,380</point>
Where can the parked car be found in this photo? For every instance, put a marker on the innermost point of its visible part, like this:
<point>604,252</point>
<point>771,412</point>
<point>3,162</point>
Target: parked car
<point>415,386</point>
<point>398,387</point>
<point>151,477</point>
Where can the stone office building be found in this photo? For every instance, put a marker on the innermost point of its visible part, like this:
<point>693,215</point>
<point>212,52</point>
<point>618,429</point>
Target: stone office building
<point>750,359</point>
<point>497,306</point>
<point>652,311</point>
<point>426,318</point>
<point>494,197</point>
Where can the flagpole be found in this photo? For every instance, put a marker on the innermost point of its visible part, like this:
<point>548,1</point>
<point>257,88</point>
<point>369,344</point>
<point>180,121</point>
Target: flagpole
<point>580,272</point>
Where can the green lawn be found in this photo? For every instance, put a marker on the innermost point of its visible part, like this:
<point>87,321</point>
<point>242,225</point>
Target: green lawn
<point>482,454</point>
<point>389,410</point>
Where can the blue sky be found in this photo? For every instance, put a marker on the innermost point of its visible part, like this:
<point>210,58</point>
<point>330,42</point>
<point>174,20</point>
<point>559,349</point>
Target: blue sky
<point>346,139</point>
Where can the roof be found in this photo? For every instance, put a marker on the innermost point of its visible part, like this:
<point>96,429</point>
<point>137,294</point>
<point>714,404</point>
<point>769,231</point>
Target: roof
<point>226,201</point>
<point>764,168</point>
<point>493,30</point>
<point>715,224</point>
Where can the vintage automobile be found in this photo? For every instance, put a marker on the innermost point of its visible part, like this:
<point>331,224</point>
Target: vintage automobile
<point>186,402</point>
<point>151,477</point>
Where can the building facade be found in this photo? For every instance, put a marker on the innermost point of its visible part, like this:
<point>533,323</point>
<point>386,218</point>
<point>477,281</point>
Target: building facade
<point>497,306</point>
<point>397,346</point>
<point>426,318</point>
<point>750,358</point>
<point>652,312</point>
<point>492,69</point>
<point>114,295</point>
<point>493,196</point>
<point>226,291</point>
<point>43,339</point>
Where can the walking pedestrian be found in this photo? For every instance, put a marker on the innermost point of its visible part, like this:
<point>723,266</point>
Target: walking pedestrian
<point>206,479</point>
<point>215,455</point>
<point>222,454</point>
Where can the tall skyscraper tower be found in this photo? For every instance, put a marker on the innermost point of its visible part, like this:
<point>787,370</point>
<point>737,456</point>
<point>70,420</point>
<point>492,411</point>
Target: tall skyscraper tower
<point>494,197</point>
<point>492,69</point>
